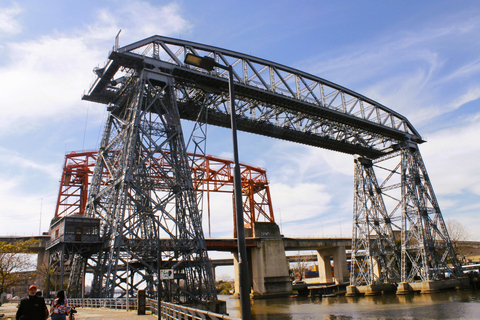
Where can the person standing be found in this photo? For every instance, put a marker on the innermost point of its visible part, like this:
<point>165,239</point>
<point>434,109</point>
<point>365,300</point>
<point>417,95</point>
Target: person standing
<point>33,307</point>
<point>59,308</point>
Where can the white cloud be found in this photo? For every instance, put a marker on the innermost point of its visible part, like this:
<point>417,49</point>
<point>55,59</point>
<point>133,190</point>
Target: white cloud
<point>44,81</point>
<point>147,20</point>
<point>20,212</point>
<point>10,158</point>
<point>471,68</point>
<point>300,163</point>
<point>472,94</point>
<point>8,23</point>
<point>292,205</point>
<point>451,157</point>
<point>45,78</point>
<point>410,71</point>
<point>221,215</point>
<point>301,201</point>
<point>138,20</point>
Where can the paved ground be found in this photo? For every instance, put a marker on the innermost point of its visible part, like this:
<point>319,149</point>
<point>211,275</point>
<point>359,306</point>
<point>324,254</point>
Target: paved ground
<point>9,310</point>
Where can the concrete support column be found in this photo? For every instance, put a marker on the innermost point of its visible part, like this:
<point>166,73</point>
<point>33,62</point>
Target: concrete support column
<point>258,267</point>
<point>324,266</point>
<point>237,278</point>
<point>41,259</point>
<point>269,267</point>
<point>214,269</point>
<point>376,268</point>
<point>340,268</point>
<point>404,288</point>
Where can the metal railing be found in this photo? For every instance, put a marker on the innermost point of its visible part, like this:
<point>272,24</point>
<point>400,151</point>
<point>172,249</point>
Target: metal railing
<point>175,311</point>
<point>115,303</point>
<point>169,311</point>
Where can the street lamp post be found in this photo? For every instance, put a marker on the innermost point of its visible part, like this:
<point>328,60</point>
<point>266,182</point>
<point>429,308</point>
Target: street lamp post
<point>208,64</point>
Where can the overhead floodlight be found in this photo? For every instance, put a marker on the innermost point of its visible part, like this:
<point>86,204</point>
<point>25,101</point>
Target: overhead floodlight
<point>206,63</point>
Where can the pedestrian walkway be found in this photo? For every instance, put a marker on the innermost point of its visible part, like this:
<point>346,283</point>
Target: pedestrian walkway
<point>110,314</point>
<point>9,310</point>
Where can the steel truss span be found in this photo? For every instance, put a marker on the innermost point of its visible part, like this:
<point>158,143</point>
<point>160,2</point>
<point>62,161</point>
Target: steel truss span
<point>148,89</point>
<point>271,99</point>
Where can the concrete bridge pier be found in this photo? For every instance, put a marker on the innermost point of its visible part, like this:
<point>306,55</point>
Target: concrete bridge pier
<point>268,264</point>
<point>340,268</point>
<point>370,290</point>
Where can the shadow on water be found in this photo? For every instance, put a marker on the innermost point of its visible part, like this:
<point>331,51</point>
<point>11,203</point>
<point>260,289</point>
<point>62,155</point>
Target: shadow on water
<point>443,305</point>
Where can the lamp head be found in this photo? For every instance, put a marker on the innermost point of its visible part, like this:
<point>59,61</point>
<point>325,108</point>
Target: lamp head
<point>206,63</point>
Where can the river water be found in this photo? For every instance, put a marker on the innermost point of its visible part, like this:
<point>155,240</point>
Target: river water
<point>443,305</point>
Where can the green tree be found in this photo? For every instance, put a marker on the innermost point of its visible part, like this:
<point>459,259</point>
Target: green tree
<point>225,287</point>
<point>14,262</point>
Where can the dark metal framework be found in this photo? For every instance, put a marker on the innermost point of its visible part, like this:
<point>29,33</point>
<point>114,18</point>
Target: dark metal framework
<point>271,99</point>
<point>210,174</point>
<point>148,89</point>
<point>144,201</point>
<point>374,249</point>
<point>399,230</point>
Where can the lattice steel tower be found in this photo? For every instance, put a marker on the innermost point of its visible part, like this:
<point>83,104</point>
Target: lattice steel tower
<point>399,231</point>
<point>149,211</point>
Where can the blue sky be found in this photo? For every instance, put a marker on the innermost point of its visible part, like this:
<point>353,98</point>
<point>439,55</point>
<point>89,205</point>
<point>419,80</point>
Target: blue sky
<point>419,58</point>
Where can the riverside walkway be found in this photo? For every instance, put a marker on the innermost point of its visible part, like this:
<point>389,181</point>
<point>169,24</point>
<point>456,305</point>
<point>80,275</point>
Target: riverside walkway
<point>9,310</point>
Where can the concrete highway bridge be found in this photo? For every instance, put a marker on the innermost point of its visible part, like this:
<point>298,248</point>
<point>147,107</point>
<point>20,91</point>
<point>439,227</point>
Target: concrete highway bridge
<point>37,248</point>
<point>268,261</point>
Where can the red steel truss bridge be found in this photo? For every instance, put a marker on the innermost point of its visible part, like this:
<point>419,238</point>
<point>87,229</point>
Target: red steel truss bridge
<point>214,174</point>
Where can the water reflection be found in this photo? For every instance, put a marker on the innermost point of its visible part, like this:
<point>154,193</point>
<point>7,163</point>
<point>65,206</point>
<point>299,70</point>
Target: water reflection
<point>444,305</point>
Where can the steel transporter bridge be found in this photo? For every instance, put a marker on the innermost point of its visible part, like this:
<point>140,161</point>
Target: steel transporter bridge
<point>142,194</point>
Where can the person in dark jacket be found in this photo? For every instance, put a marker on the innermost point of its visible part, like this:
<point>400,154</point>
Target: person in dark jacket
<point>33,307</point>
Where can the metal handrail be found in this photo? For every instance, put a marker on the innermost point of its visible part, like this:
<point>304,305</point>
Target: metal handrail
<point>111,303</point>
<point>175,311</point>
<point>169,311</point>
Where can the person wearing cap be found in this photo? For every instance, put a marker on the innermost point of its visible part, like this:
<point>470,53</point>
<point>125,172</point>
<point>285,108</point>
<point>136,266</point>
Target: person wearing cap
<point>32,307</point>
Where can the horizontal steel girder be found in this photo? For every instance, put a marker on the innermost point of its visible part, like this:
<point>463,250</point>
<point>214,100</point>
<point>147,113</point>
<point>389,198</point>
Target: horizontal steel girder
<point>271,99</point>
